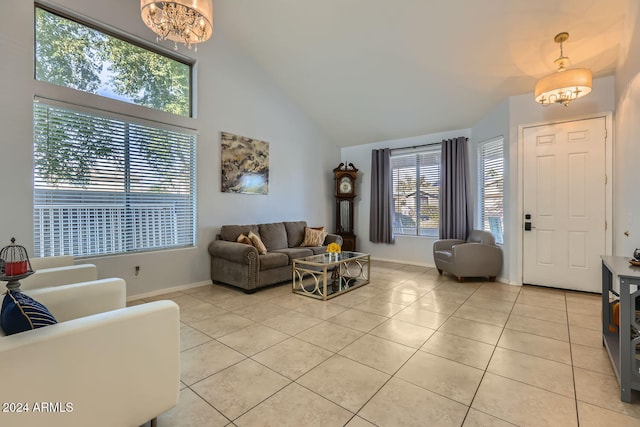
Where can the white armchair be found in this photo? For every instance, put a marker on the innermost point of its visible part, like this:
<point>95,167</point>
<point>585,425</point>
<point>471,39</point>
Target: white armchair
<point>102,365</point>
<point>52,262</point>
<point>56,271</point>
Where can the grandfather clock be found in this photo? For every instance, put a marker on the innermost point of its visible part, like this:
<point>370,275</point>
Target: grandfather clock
<point>345,177</point>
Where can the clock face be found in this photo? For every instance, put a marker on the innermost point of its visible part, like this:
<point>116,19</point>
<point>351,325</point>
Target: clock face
<point>346,186</point>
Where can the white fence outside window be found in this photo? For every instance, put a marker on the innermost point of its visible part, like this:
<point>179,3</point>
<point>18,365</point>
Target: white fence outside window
<point>100,229</point>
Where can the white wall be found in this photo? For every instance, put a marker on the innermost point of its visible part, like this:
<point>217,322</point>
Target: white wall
<point>493,125</point>
<point>407,249</point>
<point>627,147</point>
<point>503,120</point>
<point>233,95</point>
<point>524,111</point>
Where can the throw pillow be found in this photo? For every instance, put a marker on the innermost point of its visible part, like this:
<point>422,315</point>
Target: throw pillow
<point>244,239</point>
<point>313,236</point>
<point>21,313</point>
<point>257,243</point>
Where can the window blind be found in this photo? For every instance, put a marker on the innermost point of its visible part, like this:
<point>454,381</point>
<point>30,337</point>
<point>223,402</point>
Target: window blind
<point>416,187</point>
<point>107,184</point>
<point>491,186</point>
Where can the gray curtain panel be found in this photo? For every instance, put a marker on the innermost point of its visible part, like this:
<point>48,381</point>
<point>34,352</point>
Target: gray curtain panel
<point>455,215</point>
<point>381,214</point>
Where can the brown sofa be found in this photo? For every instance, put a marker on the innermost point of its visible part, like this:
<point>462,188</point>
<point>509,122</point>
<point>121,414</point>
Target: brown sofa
<point>241,265</point>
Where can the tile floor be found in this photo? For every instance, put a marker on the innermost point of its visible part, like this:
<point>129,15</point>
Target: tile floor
<point>412,348</point>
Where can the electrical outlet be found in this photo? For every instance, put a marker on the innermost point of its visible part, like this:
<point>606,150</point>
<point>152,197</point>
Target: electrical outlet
<point>137,270</point>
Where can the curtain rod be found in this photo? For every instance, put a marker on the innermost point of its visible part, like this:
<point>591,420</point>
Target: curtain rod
<point>421,145</point>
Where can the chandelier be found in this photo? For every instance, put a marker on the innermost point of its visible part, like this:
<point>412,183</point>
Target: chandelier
<point>183,21</point>
<point>564,85</point>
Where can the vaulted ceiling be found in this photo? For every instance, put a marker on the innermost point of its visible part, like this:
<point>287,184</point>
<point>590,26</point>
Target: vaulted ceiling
<point>373,70</point>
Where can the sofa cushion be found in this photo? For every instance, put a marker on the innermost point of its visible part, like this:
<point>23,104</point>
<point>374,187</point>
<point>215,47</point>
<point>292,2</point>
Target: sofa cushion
<point>294,253</point>
<point>22,313</point>
<point>272,260</point>
<point>313,237</point>
<point>295,232</point>
<point>230,233</point>
<point>257,243</point>
<point>244,239</point>
<point>274,235</point>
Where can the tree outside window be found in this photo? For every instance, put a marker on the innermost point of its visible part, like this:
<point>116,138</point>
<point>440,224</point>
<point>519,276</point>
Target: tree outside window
<point>108,183</point>
<point>491,187</point>
<point>416,182</point>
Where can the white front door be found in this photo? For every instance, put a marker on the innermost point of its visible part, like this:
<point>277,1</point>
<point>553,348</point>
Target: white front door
<point>565,204</point>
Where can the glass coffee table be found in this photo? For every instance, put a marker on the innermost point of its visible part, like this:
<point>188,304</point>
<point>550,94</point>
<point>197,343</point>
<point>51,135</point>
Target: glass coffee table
<point>328,275</point>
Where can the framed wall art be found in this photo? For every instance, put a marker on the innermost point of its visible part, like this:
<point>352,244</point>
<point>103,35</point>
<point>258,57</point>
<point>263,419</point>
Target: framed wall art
<point>245,164</point>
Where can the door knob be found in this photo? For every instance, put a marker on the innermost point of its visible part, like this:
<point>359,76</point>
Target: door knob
<point>527,222</point>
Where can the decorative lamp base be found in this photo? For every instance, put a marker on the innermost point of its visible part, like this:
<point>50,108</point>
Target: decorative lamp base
<point>13,285</point>
<point>13,282</point>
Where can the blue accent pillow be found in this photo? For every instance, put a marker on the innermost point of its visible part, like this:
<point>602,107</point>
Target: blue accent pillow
<point>22,313</point>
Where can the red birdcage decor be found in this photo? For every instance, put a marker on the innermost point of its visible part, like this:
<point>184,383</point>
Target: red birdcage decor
<point>14,264</point>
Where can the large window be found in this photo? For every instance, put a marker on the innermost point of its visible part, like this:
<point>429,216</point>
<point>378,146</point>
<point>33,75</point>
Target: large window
<point>109,182</point>
<point>106,185</point>
<point>416,186</point>
<point>491,187</point>
<point>74,55</point>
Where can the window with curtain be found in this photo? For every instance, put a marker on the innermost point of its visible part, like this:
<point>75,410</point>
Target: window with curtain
<point>105,184</point>
<point>416,184</point>
<point>491,187</point>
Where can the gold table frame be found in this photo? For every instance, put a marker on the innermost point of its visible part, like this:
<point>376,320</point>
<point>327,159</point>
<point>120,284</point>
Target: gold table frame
<point>329,275</point>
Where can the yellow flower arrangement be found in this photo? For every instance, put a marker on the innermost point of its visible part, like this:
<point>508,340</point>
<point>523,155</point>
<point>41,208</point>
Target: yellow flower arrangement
<point>333,248</point>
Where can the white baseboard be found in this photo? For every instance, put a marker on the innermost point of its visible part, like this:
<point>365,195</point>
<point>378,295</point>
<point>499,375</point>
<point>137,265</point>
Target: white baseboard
<point>501,279</point>
<point>506,281</point>
<point>208,282</point>
<point>168,290</point>
<point>402,261</point>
